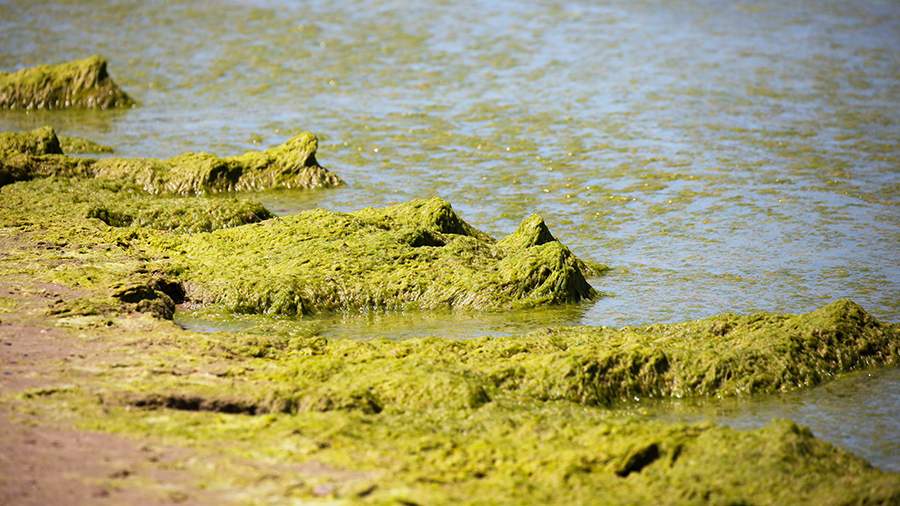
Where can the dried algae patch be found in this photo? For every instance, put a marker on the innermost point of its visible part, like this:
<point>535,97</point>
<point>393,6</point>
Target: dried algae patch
<point>417,255</point>
<point>75,84</point>
<point>293,164</point>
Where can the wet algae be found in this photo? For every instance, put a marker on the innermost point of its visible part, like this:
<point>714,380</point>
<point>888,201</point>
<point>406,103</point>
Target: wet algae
<point>435,421</point>
<point>589,366</point>
<point>81,84</point>
<point>293,164</point>
<point>517,419</point>
<point>417,255</point>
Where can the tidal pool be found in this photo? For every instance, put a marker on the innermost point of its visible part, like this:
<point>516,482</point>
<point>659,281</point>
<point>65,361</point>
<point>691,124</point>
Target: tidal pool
<point>719,156</point>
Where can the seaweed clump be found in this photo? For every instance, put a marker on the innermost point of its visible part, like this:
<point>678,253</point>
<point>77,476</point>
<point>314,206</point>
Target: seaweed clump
<point>75,84</point>
<point>417,255</point>
<point>293,164</point>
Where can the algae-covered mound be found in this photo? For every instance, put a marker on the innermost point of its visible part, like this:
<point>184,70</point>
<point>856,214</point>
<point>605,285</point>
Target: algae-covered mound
<point>44,141</point>
<point>40,141</point>
<point>290,165</point>
<point>75,84</point>
<point>525,454</point>
<point>719,356</point>
<point>34,154</point>
<point>420,255</point>
<point>726,355</point>
<point>39,153</point>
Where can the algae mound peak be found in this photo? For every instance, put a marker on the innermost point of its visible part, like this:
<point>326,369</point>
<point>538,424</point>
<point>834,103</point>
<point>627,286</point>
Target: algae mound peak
<point>293,164</point>
<point>75,84</point>
<point>40,141</point>
<point>417,255</point>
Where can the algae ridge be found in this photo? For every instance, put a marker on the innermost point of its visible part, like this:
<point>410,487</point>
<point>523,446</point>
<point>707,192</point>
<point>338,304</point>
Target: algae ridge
<point>75,84</point>
<point>292,164</point>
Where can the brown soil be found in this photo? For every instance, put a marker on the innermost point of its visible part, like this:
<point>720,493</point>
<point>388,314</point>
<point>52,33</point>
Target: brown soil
<point>44,463</point>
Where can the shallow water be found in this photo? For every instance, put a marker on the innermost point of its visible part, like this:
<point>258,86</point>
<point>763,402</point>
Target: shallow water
<point>859,411</point>
<point>721,156</point>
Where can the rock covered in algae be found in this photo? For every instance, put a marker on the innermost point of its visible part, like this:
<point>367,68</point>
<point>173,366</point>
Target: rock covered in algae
<point>75,84</point>
<point>420,255</point>
<point>37,153</point>
<point>293,164</point>
<point>40,141</point>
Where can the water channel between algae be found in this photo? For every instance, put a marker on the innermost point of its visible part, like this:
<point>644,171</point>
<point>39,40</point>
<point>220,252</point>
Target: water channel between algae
<point>719,157</point>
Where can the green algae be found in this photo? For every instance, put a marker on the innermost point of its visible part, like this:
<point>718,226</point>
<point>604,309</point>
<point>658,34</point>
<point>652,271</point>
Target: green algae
<point>293,164</point>
<point>45,141</point>
<point>417,255</point>
<point>40,141</point>
<point>181,215</point>
<point>408,424</point>
<point>77,233</point>
<point>75,84</point>
<point>428,420</point>
<point>550,454</point>
<point>124,205</point>
<point>722,356</point>
<point>36,153</point>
